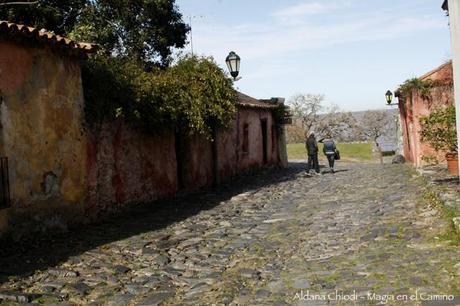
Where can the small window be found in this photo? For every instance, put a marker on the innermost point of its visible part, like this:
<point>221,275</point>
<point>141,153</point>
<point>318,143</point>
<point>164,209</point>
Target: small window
<point>246,138</point>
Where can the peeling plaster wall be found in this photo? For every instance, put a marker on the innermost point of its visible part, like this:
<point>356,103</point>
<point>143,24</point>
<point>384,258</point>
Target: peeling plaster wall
<point>254,157</point>
<point>232,159</point>
<point>228,143</point>
<point>125,166</point>
<point>42,129</point>
<point>61,172</point>
<point>416,107</point>
<point>197,161</point>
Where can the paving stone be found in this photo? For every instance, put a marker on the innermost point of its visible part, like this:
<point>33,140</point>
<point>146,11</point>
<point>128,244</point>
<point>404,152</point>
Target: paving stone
<point>258,241</point>
<point>121,269</point>
<point>136,289</point>
<point>301,283</point>
<point>63,273</point>
<point>161,260</point>
<point>155,299</point>
<point>11,296</point>
<point>247,273</point>
<point>120,299</point>
<point>81,288</point>
<point>262,293</point>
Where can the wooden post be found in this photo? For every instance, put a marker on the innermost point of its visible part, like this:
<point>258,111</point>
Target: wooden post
<point>454,21</point>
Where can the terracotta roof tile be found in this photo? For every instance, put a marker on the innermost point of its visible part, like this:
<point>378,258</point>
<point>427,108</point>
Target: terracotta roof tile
<point>19,30</point>
<point>442,73</point>
<point>247,101</point>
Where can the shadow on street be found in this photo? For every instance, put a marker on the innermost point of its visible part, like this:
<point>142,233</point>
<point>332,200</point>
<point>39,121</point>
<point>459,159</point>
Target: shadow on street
<point>40,252</point>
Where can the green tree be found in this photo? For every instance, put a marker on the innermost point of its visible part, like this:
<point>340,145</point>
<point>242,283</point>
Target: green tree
<point>439,129</point>
<point>59,16</point>
<point>195,94</point>
<point>145,31</point>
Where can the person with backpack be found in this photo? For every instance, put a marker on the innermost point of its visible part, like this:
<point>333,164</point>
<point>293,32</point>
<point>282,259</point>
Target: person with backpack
<point>330,150</point>
<point>312,150</point>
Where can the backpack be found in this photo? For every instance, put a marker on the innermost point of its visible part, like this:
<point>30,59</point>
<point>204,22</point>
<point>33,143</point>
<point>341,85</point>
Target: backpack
<point>329,146</point>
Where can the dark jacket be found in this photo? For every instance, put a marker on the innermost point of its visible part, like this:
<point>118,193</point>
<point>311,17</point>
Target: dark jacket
<point>329,146</point>
<point>312,145</point>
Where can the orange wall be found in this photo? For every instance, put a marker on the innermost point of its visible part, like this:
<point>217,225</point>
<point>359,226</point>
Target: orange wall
<point>42,126</point>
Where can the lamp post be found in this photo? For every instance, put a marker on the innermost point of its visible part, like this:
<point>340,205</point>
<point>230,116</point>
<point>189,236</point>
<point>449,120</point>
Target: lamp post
<point>233,64</point>
<point>389,98</point>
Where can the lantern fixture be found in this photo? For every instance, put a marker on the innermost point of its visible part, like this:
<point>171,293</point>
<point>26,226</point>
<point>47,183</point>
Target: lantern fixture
<point>233,64</point>
<point>389,97</point>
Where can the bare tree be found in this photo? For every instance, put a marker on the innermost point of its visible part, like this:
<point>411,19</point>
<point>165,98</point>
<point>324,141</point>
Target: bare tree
<point>336,123</point>
<point>374,125</point>
<point>311,113</point>
<point>306,110</point>
<point>294,133</point>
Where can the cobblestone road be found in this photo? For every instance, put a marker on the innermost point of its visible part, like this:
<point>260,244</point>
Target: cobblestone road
<point>259,242</point>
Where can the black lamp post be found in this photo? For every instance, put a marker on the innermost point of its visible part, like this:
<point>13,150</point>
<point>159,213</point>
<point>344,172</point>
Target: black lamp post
<point>389,97</point>
<point>233,64</point>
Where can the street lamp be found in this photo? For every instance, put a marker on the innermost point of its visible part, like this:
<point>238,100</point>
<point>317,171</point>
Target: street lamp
<point>389,97</point>
<point>233,64</point>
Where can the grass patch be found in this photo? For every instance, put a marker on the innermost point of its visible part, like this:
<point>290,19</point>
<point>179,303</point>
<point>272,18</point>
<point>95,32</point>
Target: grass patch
<point>432,199</point>
<point>348,151</point>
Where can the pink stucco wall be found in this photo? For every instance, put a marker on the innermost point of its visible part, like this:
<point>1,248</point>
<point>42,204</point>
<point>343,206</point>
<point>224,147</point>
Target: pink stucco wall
<point>232,158</point>
<point>197,162</point>
<point>254,156</point>
<point>228,144</point>
<point>125,166</point>
<point>415,107</point>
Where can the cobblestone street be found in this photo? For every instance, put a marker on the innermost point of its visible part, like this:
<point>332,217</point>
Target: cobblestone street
<point>260,241</point>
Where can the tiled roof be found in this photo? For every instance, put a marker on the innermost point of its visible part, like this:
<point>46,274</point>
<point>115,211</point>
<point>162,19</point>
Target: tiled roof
<point>247,101</point>
<point>441,73</point>
<point>14,30</point>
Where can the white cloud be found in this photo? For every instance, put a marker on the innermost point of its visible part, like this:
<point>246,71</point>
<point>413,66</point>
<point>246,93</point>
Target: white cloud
<point>297,14</point>
<point>304,9</point>
<point>264,40</point>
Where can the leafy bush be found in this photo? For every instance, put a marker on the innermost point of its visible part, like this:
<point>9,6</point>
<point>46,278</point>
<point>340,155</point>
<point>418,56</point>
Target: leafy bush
<point>439,129</point>
<point>194,95</point>
<point>423,87</point>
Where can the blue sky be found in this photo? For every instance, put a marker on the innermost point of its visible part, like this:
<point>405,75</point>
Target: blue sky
<point>352,51</point>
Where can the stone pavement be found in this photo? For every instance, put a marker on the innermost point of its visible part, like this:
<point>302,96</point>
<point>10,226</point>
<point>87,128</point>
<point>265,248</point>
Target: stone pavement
<point>277,238</point>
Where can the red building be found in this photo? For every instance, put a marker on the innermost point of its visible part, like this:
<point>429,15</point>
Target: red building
<point>124,166</point>
<point>414,106</point>
<point>60,167</point>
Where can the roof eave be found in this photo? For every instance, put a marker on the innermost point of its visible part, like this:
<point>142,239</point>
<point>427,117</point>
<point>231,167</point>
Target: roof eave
<point>255,106</point>
<point>13,31</point>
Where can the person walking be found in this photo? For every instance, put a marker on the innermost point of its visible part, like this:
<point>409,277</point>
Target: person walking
<point>329,150</point>
<point>312,150</point>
